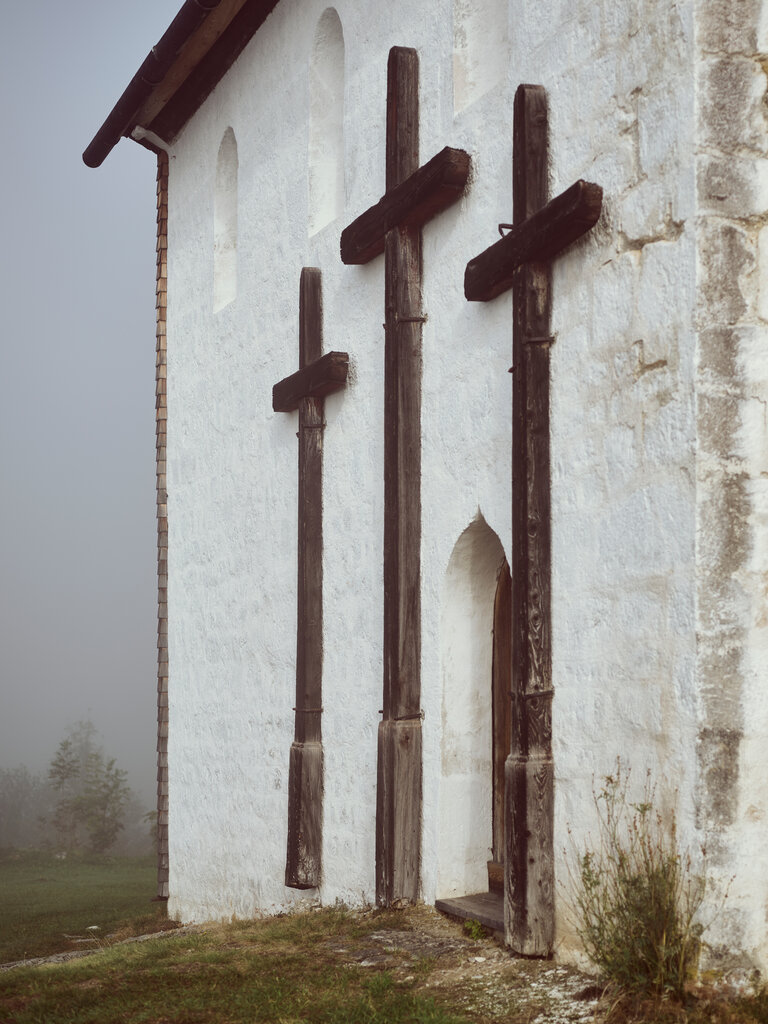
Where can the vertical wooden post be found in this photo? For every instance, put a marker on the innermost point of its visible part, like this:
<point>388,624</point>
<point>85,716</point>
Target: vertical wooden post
<point>305,390</point>
<point>305,774</point>
<point>529,772</point>
<point>413,197</point>
<point>398,810</point>
<point>522,260</point>
<point>161,415</point>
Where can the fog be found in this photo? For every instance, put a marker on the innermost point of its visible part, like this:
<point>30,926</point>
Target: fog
<point>77,269</point>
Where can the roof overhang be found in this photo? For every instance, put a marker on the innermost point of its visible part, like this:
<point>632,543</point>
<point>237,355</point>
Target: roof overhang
<point>198,47</point>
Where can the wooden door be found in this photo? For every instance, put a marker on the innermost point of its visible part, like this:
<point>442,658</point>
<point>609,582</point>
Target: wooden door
<point>502,717</point>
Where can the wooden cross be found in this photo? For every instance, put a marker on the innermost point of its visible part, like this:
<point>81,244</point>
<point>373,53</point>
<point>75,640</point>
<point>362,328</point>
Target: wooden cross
<point>521,260</point>
<point>318,375</point>
<point>393,225</point>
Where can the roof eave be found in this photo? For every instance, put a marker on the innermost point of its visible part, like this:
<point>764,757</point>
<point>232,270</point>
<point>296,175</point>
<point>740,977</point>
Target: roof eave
<point>197,48</point>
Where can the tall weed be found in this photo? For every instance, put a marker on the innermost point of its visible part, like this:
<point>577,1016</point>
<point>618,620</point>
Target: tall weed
<point>636,896</point>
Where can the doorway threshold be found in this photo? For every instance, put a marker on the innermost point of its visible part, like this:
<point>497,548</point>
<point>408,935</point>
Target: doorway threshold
<point>485,907</point>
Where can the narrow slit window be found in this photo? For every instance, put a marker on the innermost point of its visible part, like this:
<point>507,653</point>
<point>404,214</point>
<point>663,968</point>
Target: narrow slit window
<point>225,224</point>
<point>326,123</point>
<point>480,49</point>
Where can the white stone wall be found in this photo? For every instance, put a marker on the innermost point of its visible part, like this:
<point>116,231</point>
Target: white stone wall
<point>629,516</point>
<point>623,426</point>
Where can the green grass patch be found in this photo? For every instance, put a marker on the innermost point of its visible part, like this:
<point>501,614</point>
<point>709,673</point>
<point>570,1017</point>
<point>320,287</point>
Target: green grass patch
<point>43,900</point>
<point>315,968</point>
<point>283,970</point>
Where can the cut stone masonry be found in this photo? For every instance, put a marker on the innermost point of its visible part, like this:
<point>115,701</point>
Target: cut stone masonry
<point>732,177</point>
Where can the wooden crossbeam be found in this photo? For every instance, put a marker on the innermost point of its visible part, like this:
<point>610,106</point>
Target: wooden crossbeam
<point>320,378</point>
<point>538,239</point>
<point>425,193</point>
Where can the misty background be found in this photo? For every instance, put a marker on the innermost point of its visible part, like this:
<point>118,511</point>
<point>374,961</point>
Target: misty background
<point>77,389</point>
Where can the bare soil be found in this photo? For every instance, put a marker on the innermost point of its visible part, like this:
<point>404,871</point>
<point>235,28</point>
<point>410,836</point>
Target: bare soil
<point>478,977</point>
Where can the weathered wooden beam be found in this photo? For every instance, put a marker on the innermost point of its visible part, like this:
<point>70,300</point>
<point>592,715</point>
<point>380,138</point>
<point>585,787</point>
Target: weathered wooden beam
<point>537,239</point>
<point>303,865</point>
<point>529,910</point>
<point>398,811</point>
<point>310,317</point>
<point>398,804</point>
<point>322,377</point>
<point>414,201</point>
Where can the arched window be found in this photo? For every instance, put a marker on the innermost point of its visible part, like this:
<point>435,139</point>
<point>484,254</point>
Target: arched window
<point>326,123</point>
<point>480,48</point>
<point>225,224</point>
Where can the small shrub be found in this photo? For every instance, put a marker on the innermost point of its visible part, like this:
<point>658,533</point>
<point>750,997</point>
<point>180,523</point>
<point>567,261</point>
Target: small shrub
<point>637,897</point>
<point>474,929</point>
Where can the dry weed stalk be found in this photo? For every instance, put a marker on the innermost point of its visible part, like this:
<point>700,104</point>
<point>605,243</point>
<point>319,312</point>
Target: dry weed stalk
<point>636,898</point>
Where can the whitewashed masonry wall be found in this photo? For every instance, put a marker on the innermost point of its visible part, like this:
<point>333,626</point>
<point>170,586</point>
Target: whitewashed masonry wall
<point>635,544</point>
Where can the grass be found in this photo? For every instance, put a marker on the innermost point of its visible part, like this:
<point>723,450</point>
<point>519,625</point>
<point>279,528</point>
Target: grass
<point>282,970</point>
<point>326,966</point>
<point>43,900</point>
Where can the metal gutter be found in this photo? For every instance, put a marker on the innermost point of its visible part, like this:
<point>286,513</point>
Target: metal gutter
<point>151,73</point>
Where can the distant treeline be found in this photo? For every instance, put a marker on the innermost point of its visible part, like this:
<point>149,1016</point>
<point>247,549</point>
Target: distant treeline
<point>82,804</point>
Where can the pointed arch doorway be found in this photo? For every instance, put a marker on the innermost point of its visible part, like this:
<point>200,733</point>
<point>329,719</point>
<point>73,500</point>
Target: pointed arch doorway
<point>476,626</point>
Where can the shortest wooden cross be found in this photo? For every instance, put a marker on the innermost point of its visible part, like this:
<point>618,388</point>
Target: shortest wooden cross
<point>318,375</point>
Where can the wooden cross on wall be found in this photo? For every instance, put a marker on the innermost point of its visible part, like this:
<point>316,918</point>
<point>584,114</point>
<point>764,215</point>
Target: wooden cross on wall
<point>393,225</point>
<point>522,260</point>
<point>318,375</point>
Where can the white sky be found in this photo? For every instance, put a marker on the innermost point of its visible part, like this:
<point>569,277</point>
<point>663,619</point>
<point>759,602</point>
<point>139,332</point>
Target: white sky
<point>77,357</point>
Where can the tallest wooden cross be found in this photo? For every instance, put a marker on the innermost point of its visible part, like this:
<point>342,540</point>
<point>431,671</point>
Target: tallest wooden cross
<point>521,260</point>
<point>413,196</point>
